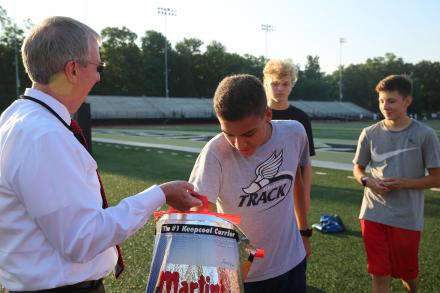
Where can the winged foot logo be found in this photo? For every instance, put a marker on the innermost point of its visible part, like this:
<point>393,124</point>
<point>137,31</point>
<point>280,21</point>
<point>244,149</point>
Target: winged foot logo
<point>270,186</point>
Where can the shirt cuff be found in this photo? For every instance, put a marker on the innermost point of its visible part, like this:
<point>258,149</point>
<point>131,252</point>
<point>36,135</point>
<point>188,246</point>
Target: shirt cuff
<point>156,197</point>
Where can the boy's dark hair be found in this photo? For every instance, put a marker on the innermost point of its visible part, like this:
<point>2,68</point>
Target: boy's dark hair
<point>239,96</point>
<point>400,83</point>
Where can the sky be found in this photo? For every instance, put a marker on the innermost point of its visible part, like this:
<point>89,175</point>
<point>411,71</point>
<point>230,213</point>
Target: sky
<point>408,28</point>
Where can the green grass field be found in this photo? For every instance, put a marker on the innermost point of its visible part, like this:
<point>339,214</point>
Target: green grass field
<point>337,263</point>
<point>321,129</point>
<point>325,133</point>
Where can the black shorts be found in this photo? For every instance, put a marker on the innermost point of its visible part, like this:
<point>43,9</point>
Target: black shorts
<point>292,281</point>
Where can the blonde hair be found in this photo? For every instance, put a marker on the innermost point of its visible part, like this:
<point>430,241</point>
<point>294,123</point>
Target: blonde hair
<point>280,69</point>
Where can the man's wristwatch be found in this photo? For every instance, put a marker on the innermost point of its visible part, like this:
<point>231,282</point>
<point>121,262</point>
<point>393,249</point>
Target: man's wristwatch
<point>364,180</point>
<point>306,232</point>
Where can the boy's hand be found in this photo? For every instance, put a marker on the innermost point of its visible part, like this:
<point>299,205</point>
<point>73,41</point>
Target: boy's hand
<point>306,243</point>
<point>394,183</point>
<point>378,186</point>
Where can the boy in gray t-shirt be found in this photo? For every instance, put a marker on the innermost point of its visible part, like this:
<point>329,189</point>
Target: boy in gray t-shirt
<point>249,170</point>
<point>400,151</point>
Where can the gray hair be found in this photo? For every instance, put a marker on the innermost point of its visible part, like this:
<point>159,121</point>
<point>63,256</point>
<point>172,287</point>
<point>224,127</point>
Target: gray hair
<point>54,42</point>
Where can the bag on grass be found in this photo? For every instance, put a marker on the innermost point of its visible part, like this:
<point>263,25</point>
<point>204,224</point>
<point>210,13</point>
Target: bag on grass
<point>330,224</point>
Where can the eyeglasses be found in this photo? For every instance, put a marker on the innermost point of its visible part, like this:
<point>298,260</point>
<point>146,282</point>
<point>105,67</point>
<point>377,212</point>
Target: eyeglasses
<point>99,66</point>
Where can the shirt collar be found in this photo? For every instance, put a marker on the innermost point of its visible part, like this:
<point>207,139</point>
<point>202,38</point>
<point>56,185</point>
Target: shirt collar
<point>59,108</point>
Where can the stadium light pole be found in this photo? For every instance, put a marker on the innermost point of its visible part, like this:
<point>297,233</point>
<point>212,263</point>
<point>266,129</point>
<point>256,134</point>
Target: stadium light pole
<point>341,41</point>
<point>166,11</point>
<point>267,28</point>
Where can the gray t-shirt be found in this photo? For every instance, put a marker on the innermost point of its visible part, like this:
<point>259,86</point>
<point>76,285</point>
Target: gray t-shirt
<point>259,188</point>
<point>399,154</point>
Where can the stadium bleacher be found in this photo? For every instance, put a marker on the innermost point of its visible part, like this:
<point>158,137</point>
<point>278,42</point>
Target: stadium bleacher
<point>152,108</point>
<point>118,107</point>
<point>333,110</point>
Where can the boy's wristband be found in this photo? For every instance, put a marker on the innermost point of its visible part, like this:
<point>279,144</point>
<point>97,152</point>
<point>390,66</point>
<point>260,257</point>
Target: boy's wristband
<point>306,232</point>
<point>364,180</point>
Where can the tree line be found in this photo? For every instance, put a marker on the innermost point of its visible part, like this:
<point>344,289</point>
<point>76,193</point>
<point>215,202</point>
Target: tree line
<point>136,67</point>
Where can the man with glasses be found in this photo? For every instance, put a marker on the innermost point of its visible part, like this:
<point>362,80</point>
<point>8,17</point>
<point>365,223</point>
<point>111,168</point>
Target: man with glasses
<point>56,233</point>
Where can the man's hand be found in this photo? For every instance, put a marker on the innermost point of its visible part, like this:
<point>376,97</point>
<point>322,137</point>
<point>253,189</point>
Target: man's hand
<point>179,195</point>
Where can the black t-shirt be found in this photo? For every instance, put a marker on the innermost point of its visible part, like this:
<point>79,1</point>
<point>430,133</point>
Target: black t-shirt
<point>294,113</point>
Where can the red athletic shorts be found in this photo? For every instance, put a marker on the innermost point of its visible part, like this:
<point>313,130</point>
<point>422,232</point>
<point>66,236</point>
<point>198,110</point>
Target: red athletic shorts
<point>390,250</point>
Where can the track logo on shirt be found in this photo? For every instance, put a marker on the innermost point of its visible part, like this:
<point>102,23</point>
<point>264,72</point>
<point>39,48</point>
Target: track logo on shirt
<point>270,186</point>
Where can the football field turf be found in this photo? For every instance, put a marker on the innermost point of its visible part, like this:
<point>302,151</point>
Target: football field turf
<point>337,263</point>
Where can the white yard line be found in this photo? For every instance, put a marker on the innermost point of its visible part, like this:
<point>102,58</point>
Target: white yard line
<point>149,145</point>
<point>196,150</point>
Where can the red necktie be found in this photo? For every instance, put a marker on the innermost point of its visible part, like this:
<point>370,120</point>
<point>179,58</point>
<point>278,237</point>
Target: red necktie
<point>77,131</point>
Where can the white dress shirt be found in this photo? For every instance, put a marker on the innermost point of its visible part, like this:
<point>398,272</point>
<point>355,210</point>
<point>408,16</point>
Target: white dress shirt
<point>53,231</point>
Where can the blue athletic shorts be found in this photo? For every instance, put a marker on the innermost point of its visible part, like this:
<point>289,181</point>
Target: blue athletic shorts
<point>292,281</point>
